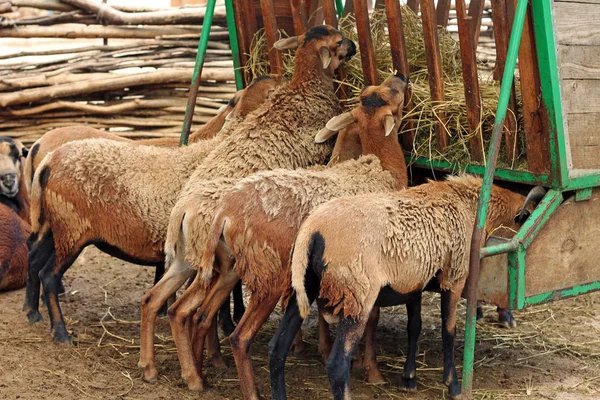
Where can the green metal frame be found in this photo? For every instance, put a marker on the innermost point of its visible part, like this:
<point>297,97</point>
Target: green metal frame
<point>558,179</point>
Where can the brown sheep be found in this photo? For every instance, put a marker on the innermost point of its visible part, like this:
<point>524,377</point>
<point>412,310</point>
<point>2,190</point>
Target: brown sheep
<point>279,135</point>
<point>373,250</point>
<point>242,103</point>
<point>14,214</point>
<point>257,220</point>
<point>115,195</point>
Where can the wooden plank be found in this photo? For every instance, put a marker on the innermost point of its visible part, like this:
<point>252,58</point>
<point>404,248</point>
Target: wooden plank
<point>535,117</point>
<point>470,81</point>
<point>299,16</point>
<point>443,12</point>
<point>348,7</point>
<point>365,42</point>
<point>413,5</point>
<point>329,13</point>
<point>502,28</point>
<point>476,14</point>
<point>564,253</point>
<point>577,23</point>
<point>270,24</point>
<point>242,23</point>
<point>434,68</point>
<point>585,142</point>
<point>315,13</point>
<point>581,95</point>
<point>579,62</point>
<point>400,63</point>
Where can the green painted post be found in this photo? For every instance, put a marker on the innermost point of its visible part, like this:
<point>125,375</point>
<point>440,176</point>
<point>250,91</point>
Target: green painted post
<point>340,8</point>
<point>484,197</point>
<point>233,43</point>
<point>202,45</point>
<point>543,27</point>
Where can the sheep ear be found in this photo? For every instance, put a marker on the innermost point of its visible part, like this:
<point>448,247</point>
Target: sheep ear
<point>340,122</point>
<point>535,195</point>
<point>287,43</point>
<point>24,151</point>
<point>389,122</point>
<point>222,108</point>
<point>325,55</point>
<point>324,135</point>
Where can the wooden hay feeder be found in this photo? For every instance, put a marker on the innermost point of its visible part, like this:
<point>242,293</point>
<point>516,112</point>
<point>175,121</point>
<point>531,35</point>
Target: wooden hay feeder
<point>552,256</point>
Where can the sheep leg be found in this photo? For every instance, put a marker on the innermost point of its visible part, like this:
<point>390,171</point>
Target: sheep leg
<point>506,318</point>
<point>238,310</point>
<point>413,330</point>
<point>225,319</point>
<point>348,335</point>
<point>179,316</point>
<point>256,315</point>
<point>450,299</point>
<point>51,276</point>
<point>238,302</point>
<point>298,344</point>
<point>151,304</point>
<point>370,358</point>
<point>40,253</point>
<point>325,343</point>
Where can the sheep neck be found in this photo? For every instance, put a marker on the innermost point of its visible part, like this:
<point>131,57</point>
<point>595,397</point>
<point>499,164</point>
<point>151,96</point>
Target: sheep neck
<point>309,69</point>
<point>389,152</point>
<point>210,129</point>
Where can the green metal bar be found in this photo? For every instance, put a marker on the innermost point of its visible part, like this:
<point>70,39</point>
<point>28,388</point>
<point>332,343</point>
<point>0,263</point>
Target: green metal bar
<point>233,44</point>
<point>202,46</point>
<point>340,8</point>
<point>520,295</point>
<point>500,248</point>
<point>582,182</point>
<point>539,217</point>
<point>561,294</point>
<point>484,196</point>
<point>513,277</point>
<point>546,51</point>
<point>583,194</point>
<point>524,177</point>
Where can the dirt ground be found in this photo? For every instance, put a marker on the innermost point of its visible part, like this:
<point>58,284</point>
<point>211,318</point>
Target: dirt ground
<point>553,354</point>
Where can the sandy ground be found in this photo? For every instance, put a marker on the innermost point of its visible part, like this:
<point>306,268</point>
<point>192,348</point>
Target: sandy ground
<point>553,354</point>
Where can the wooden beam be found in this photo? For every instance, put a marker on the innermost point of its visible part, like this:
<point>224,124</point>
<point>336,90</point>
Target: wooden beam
<point>434,68</point>
<point>400,63</point>
<point>413,5</point>
<point>535,118</point>
<point>299,16</point>
<point>470,80</point>
<point>365,42</point>
<point>443,12</point>
<point>476,14</point>
<point>270,24</point>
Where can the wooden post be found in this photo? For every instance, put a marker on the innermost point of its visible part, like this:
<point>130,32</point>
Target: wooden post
<point>329,13</point>
<point>365,42</point>
<point>413,5</point>
<point>299,16</point>
<point>246,26</point>
<point>470,80</point>
<point>348,7</point>
<point>502,35</point>
<point>270,23</point>
<point>315,13</point>
<point>400,63</point>
<point>476,14</point>
<point>434,67</point>
<point>443,12</point>
<point>535,118</point>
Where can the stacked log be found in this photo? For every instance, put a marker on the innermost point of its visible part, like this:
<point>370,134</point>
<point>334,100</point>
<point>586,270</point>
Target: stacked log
<point>125,70</point>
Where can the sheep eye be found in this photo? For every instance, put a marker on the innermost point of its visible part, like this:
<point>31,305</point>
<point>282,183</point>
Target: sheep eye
<point>339,43</point>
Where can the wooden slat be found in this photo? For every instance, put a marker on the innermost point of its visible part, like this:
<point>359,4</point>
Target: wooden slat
<point>243,23</point>
<point>470,80</point>
<point>475,15</point>
<point>584,140</point>
<point>315,13</point>
<point>581,95</point>
<point>413,5</point>
<point>329,13</point>
<point>400,63</point>
<point>579,62</point>
<point>443,12</point>
<point>502,34</point>
<point>299,16</point>
<point>270,24</point>
<point>434,68</point>
<point>348,7</point>
<point>535,118</point>
<point>365,42</point>
<point>577,23</point>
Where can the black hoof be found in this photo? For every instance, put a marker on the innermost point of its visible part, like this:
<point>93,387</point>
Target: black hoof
<point>408,384</point>
<point>34,316</point>
<point>454,390</point>
<point>506,319</point>
<point>60,334</point>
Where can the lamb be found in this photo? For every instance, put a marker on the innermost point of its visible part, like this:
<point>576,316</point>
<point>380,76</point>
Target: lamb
<point>243,102</point>
<point>257,221</point>
<point>278,135</point>
<point>366,250</point>
<point>14,214</point>
<point>81,187</point>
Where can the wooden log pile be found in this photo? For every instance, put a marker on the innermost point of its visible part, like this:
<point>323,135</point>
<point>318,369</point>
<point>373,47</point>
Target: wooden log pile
<point>121,69</point>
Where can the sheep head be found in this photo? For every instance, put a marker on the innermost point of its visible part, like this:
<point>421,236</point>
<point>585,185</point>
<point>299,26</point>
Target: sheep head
<point>509,210</point>
<point>249,99</point>
<point>12,153</point>
<point>325,41</point>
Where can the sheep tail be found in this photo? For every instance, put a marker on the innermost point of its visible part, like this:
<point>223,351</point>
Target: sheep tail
<point>300,259</point>
<point>174,236</point>
<point>215,232</point>
<point>36,195</point>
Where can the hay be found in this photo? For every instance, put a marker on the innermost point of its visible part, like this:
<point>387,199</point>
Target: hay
<point>425,111</point>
